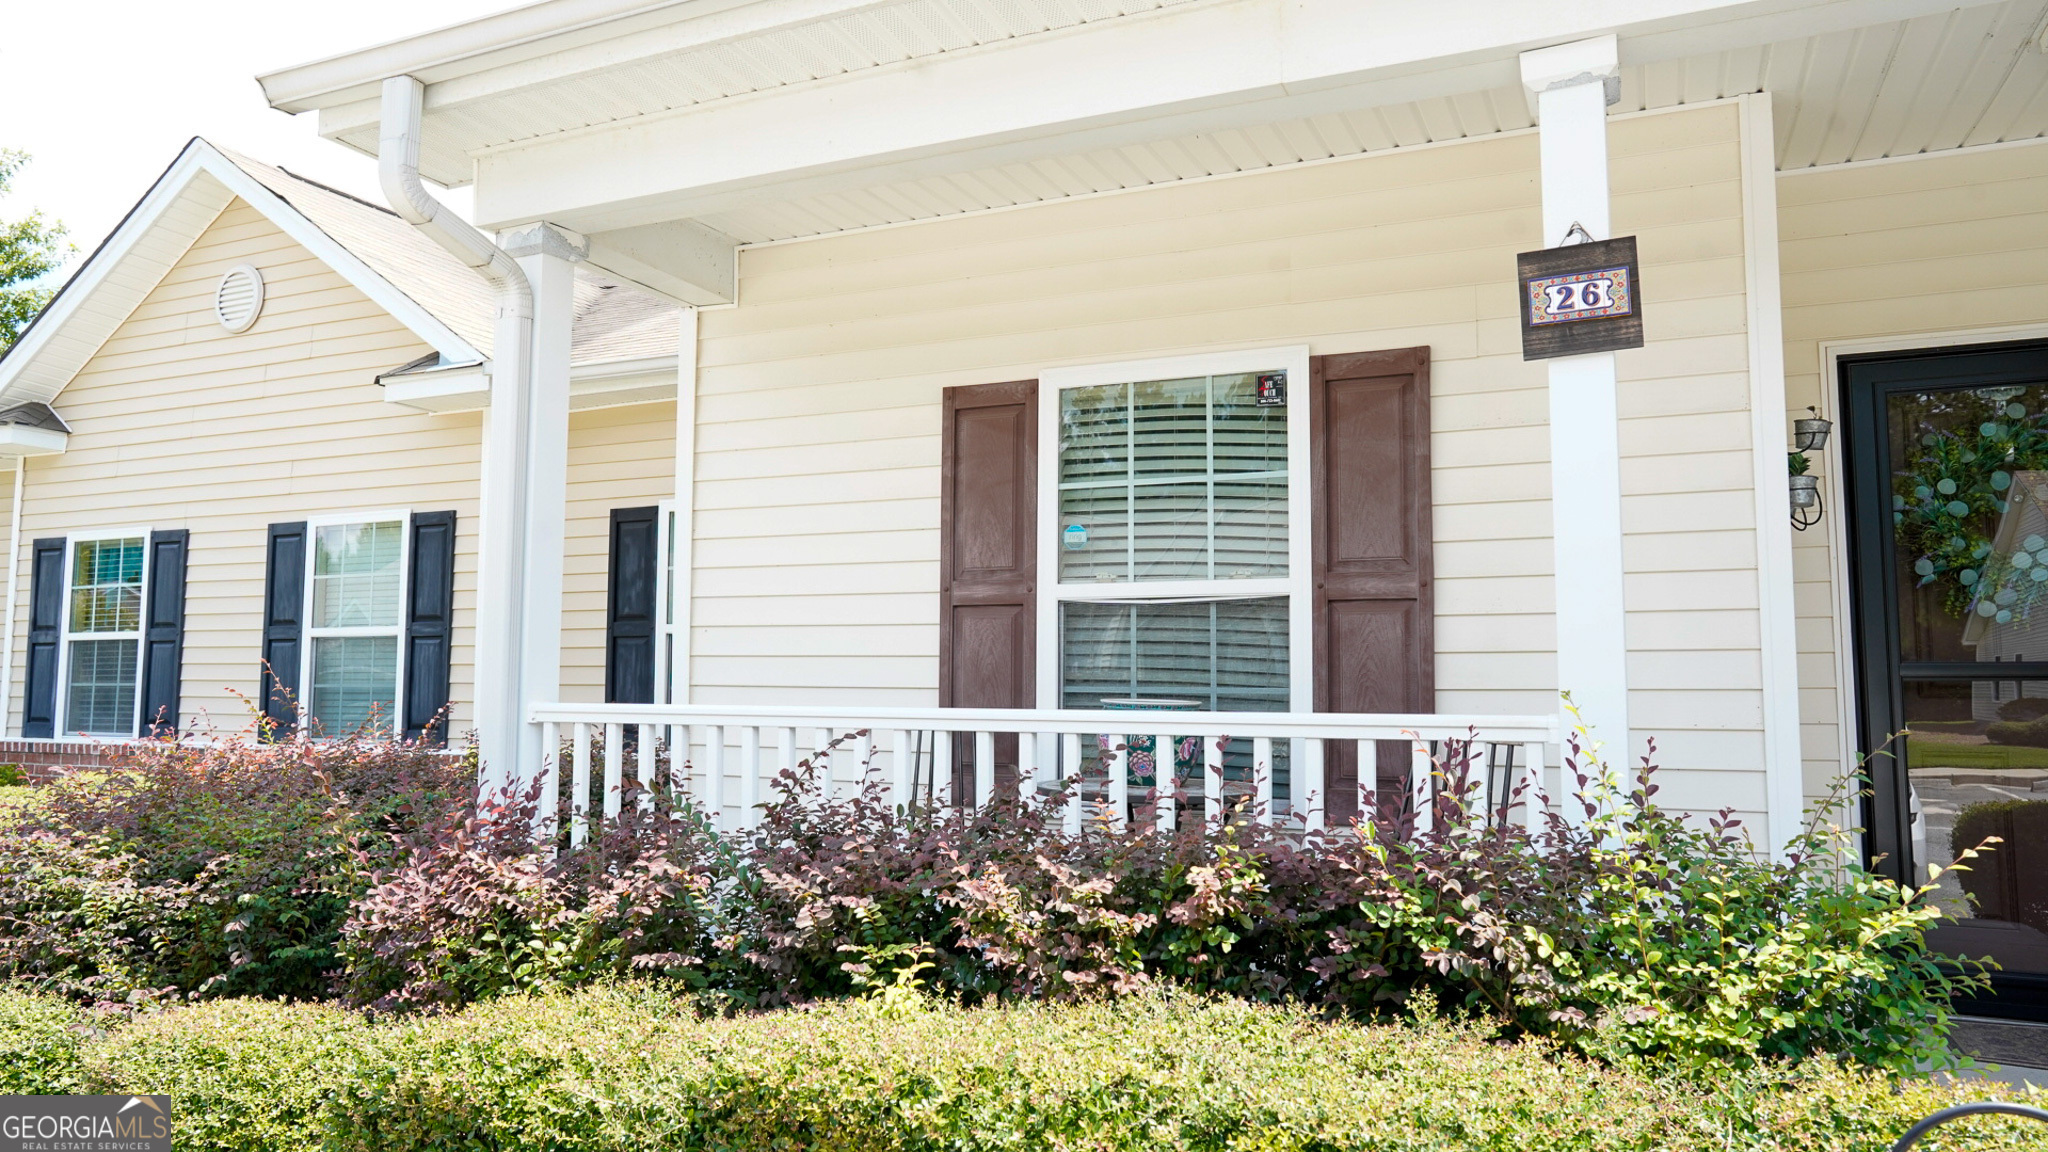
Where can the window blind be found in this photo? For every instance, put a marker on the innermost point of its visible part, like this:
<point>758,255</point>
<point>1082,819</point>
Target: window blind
<point>1172,480</point>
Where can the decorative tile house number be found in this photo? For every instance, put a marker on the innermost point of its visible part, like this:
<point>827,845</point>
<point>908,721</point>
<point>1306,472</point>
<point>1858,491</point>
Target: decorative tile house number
<point>1580,298</point>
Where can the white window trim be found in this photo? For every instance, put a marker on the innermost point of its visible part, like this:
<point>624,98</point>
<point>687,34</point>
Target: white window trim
<point>64,729</point>
<point>1299,584</point>
<point>307,631</point>
<point>667,615</point>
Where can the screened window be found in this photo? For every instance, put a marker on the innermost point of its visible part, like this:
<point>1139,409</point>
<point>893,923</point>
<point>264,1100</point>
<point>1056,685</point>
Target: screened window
<point>356,603</point>
<point>103,622</point>
<point>1173,480</point>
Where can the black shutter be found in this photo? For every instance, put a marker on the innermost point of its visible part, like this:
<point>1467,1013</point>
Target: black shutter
<point>429,624</point>
<point>284,608</point>
<point>45,622</point>
<point>630,606</point>
<point>163,632</point>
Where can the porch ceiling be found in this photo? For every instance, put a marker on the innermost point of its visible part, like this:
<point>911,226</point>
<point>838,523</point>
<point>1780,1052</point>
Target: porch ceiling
<point>569,83</point>
<point>1949,80</point>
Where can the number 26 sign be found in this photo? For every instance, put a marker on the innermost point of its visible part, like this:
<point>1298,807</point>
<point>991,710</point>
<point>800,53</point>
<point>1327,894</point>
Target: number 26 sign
<point>1580,298</point>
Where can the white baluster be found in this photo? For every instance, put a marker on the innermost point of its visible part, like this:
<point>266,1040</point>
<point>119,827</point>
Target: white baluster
<point>1119,781</point>
<point>643,765</point>
<point>614,780</point>
<point>785,752</point>
<point>1419,770</point>
<point>714,774</point>
<point>984,768</point>
<point>1308,768</point>
<point>942,770</point>
<point>864,753</point>
<point>1027,765</point>
<point>1262,776</point>
<point>1534,796</point>
<point>1368,779</point>
<point>1212,781</point>
<point>750,776</point>
<point>1070,756</point>
<point>579,799</point>
<point>1162,781</point>
<point>551,779</point>
<point>902,761</point>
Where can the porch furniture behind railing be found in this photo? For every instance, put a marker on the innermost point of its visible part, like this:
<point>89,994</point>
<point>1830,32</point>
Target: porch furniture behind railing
<point>733,756</point>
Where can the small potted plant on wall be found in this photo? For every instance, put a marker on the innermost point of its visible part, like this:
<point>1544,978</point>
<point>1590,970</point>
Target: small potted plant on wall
<point>1805,488</point>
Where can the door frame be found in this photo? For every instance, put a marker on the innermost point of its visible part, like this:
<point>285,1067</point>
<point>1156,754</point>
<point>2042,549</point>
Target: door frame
<point>1834,492</point>
<point>1867,649</point>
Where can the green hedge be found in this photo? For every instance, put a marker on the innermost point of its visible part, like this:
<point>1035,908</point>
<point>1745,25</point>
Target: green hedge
<point>634,1068</point>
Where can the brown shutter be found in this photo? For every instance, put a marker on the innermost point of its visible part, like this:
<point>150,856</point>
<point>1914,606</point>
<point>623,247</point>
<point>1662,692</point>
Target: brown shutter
<point>1375,635</point>
<point>988,560</point>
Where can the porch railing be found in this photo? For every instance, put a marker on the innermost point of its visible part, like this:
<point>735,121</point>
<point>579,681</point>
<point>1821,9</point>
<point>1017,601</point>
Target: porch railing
<point>1269,765</point>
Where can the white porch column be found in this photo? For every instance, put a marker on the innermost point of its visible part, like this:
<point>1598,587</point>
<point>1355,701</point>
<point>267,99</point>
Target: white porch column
<point>685,537</point>
<point>1570,83</point>
<point>548,256</point>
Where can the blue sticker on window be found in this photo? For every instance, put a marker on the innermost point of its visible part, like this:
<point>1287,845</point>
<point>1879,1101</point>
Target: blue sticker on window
<point>1075,537</point>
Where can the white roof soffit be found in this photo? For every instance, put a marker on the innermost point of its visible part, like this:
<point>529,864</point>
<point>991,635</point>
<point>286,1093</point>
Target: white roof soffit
<point>152,238</point>
<point>603,115</point>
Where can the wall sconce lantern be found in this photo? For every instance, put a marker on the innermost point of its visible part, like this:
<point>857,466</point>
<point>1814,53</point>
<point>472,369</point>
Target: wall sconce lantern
<point>1809,434</point>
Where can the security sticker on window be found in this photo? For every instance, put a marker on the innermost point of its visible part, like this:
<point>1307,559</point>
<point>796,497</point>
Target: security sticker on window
<point>1075,537</point>
<point>1272,391</point>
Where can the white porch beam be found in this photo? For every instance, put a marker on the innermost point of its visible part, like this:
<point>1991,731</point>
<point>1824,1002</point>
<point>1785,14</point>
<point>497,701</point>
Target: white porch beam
<point>1570,83</point>
<point>549,259</point>
<point>681,260</point>
<point>1189,68</point>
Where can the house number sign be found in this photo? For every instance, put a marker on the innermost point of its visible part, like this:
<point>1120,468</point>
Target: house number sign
<point>1580,298</point>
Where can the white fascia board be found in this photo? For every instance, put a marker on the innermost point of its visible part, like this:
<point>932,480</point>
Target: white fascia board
<point>467,387</point>
<point>157,232</point>
<point>18,440</point>
<point>1196,67</point>
<point>538,41</point>
<point>456,388</point>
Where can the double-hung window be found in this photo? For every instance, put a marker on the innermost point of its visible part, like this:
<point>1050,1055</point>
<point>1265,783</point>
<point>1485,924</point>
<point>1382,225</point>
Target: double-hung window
<point>1173,562</point>
<point>102,651</point>
<point>355,622</point>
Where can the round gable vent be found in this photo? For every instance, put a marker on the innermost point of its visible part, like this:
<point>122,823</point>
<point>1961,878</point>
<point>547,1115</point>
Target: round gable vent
<point>239,298</point>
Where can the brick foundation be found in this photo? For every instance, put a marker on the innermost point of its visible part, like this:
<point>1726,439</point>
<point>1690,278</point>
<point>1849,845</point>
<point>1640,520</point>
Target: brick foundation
<point>44,760</point>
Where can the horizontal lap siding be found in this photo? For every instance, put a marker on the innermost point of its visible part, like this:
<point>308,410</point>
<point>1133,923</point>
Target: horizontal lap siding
<point>178,423</point>
<point>817,510</point>
<point>618,458</point>
<point>1945,243</point>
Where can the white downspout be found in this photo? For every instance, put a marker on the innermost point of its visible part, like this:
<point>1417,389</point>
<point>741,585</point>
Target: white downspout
<point>502,561</point>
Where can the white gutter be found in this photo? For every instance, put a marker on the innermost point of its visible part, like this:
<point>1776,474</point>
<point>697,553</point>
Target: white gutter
<point>502,561</point>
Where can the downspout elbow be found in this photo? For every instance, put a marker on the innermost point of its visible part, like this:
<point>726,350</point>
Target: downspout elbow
<point>398,171</point>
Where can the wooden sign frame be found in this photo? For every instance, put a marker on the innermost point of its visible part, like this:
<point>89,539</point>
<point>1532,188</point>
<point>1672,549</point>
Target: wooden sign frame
<point>1579,299</point>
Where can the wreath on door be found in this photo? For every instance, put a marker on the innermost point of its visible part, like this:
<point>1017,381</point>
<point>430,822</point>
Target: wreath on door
<point>1946,507</point>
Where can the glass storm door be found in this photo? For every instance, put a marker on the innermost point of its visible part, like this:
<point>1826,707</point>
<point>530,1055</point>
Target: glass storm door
<point>1947,459</point>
